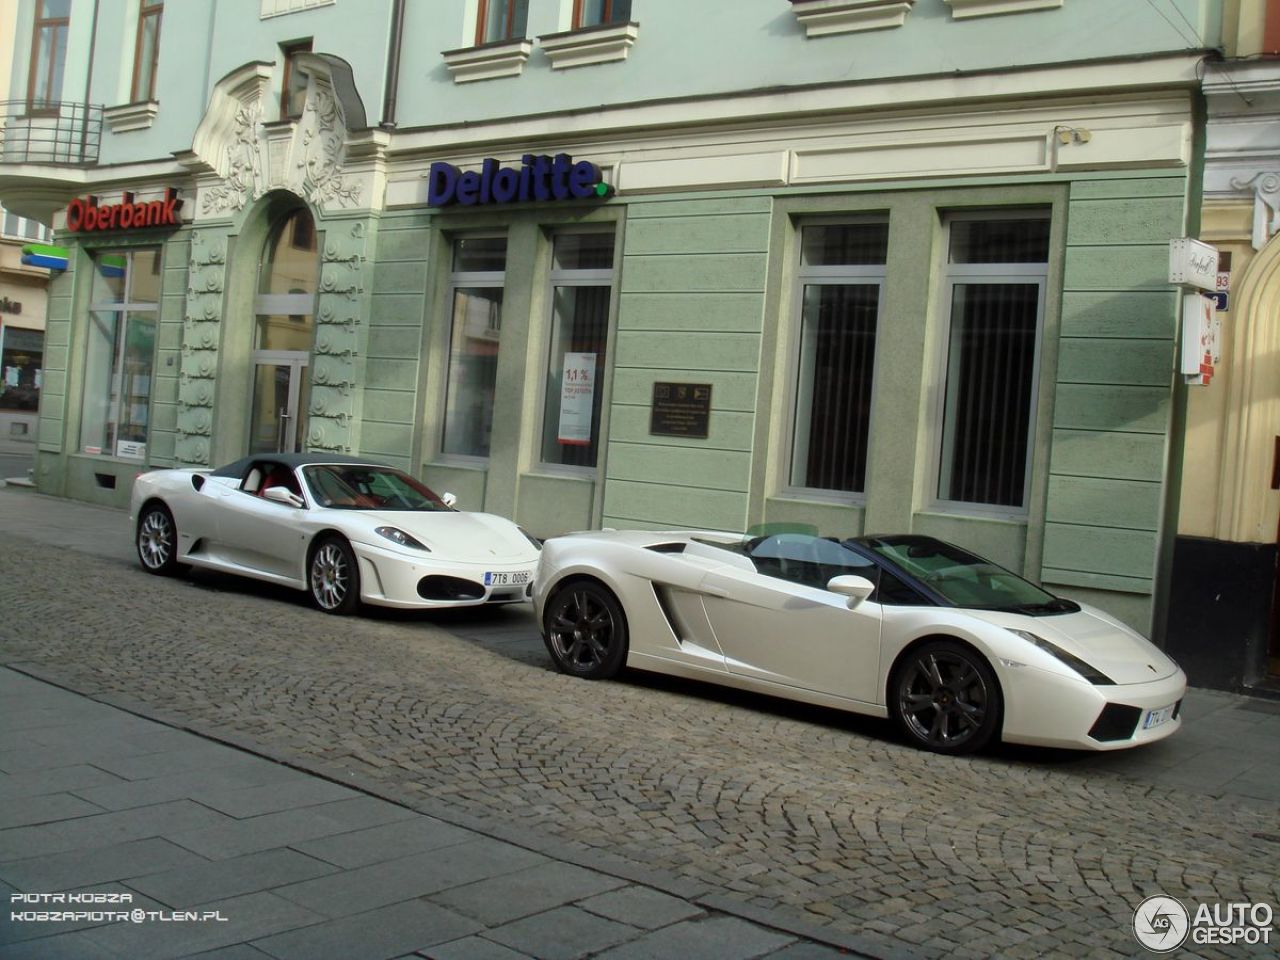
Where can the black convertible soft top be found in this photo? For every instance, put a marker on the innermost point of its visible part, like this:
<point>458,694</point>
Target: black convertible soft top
<point>290,460</point>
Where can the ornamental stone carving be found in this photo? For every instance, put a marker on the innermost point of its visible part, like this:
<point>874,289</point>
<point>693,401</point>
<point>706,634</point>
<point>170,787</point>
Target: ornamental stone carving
<point>1266,204</point>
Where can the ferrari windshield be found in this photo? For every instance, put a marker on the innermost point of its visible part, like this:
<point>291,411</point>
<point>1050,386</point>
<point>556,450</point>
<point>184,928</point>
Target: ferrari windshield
<point>359,487</point>
<point>964,579</point>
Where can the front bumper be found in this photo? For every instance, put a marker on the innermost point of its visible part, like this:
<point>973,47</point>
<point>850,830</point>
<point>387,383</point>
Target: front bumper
<point>1047,709</point>
<point>389,578</point>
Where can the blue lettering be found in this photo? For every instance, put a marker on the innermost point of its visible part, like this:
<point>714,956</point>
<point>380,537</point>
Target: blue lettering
<point>468,188</point>
<point>539,177</point>
<point>583,179</point>
<point>441,181</point>
<point>506,184</point>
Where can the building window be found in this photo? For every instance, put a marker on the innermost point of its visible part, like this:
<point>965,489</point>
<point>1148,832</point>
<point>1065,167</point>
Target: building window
<point>120,352</point>
<point>293,91</point>
<point>147,50</point>
<point>21,362</point>
<point>48,53</point>
<point>581,288</point>
<point>20,228</point>
<point>997,267</point>
<point>500,20</point>
<point>841,280</point>
<point>597,13</point>
<point>476,283</point>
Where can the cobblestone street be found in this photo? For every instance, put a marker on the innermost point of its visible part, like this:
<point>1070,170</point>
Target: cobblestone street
<point>768,808</point>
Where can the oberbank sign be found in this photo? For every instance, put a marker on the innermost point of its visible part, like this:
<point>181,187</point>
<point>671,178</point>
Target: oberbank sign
<point>539,178</point>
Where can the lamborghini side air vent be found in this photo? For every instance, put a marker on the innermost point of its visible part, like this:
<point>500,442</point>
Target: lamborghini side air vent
<point>666,547</point>
<point>668,608</point>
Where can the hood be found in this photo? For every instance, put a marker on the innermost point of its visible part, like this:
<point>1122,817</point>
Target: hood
<point>462,536</point>
<point>1096,638</point>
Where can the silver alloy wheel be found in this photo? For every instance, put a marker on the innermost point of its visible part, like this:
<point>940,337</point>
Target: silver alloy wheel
<point>581,629</point>
<point>330,576</point>
<point>155,539</point>
<point>943,698</point>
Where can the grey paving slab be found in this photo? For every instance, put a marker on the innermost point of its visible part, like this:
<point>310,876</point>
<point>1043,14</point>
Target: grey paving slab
<point>103,829</point>
<point>29,811</point>
<point>76,868</point>
<point>76,778</point>
<point>552,884</point>
<point>641,907</point>
<point>715,938</point>
<point>239,951</point>
<point>364,888</point>
<point>187,785</point>
<point>30,926</point>
<point>195,754</point>
<point>207,881</point>
<point>22,759</point>
<point>390,841</point>
<point>247,918</point>
<point>808,951</point>
<point>564,933</point>
<point>76,945</point>
<point>239,837</point>
<point>376,935</point>
<point>299,791</point>
<point>472,948</point>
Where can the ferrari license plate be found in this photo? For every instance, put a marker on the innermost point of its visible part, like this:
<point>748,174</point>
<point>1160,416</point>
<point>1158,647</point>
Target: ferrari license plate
<point>1156,717</point>
<point>516,578</point>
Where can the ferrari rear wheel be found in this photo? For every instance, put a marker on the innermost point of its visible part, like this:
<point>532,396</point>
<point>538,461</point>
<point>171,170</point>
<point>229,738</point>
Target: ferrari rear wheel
<point>332,576</point>
<point>946,698</point>
<point>585,630</point>
<point>157,540</point>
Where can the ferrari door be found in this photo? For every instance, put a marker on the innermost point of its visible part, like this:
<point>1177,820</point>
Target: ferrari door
<point>779,623</point>
<point>261,535</point>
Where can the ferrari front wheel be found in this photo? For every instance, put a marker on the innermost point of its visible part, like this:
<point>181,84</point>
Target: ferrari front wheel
<point>946,698</point>
<point>332,576</point>
<point>585,630</point>
<point>157,540</point>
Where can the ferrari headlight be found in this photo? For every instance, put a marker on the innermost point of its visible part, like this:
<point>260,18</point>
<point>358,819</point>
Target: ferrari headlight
<point>1071,660</point>
<point>398,536</point>
<point>537,544</point>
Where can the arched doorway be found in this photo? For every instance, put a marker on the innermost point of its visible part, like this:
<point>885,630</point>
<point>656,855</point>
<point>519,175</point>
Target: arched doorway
<point>283,332</point>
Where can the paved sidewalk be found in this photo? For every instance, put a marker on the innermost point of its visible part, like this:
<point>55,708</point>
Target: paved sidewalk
<point>210,848</point>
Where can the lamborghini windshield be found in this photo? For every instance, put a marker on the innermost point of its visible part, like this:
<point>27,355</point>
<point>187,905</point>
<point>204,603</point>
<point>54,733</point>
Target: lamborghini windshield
<point>964,579</point>
<point>358,487</point>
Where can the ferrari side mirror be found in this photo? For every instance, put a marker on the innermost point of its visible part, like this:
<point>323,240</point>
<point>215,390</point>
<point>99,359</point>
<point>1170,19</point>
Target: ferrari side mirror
<point>448,499</point>
<point>854,589</point>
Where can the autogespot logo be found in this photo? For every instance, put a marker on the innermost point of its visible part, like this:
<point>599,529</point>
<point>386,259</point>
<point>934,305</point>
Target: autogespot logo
<point>1161,923</point>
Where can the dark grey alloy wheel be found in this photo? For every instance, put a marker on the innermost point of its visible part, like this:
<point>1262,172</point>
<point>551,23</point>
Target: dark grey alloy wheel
<point>946,698</point>
<point>585,630</point>
<point>332,576</point>
<point>157,540</point>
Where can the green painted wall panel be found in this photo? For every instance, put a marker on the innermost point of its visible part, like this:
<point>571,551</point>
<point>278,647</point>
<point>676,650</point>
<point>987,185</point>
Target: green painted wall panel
<point>1097,453</point>
<point>665,505</point>
<point>400,277</point>
<point>408,244</point>
<point>55,358</point>
<point>1117,268</point>
<point>730,272</point>
<point>1099,550</point>
<point>729,391</point>
<point>1003,541</point>
<point>1106,587</point>
<point>707,312</point>
<point>831,519</point>
<point>713,206</point>
<point>679,466</point>
<point>387,440</point>
<point>54,384</point>
<point>703,352</point>
<point>464,483</point>
<point>730,233</point>
<point>1113,361</point>
<point>547,506</point>
<point>165,390</point>
<point>1128,314</point>
<point>164,417</point>
<point>395,343</point>
<point>389,406</point>
<point>392,374</point>
<point>727,430</point>
<point>1097,407</point>
<point>1094,501</point>
<point>56,334</point>
<point>52,407</point>
<point>1175,186</point>
<point>170,336</point>
<point>1124,220</point>
<point>396,309</point>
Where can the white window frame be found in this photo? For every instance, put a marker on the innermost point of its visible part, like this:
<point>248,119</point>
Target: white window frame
<point>952,275</point>
<point>457,279</point>
<point>577,278</point>
<point>798,391</point>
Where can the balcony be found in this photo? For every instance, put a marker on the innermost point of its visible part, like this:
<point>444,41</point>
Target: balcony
<point>60,133</point>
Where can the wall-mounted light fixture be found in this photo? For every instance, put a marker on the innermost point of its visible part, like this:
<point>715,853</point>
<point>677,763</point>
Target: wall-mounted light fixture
<point>1067,134</point>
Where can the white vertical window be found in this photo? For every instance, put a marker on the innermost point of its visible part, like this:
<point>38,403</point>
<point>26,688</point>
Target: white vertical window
<point>475,291</point>
<point>996,272</point>
<point>841,279</point>
<point>581,288</point>
<point>120,353</point>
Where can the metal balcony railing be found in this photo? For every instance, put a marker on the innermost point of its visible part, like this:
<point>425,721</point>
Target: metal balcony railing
<point>57,132</point>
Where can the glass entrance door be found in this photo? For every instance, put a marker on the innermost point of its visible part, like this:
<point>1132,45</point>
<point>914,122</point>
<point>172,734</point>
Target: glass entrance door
<point>279,386</point>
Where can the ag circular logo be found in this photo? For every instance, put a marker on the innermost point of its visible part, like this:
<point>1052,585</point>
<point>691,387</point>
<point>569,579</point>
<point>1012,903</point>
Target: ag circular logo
<point>1161,923</point>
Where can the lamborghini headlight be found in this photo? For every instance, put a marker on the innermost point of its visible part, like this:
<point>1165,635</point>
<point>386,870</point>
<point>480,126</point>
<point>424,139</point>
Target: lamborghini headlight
<point>1094,676</point>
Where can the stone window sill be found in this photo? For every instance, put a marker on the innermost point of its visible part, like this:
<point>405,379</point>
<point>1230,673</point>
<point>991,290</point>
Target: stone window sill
<point>488,61</point>
<point>580,48</point>
<point>821,18</point>
<point>963,9</point>
<point>131,116</point>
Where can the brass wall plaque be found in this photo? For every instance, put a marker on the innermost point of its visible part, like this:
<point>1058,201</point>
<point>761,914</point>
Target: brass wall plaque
<point>680,410</point>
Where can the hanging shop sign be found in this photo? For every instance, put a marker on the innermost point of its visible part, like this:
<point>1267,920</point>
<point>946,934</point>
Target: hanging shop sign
<point>681,410</point>
<point>88,216</point>
<point>577,399</point>
<point>1201,339</point>
<point>10,306</point>
<point>44,255</point>
<point>1193,264</point>
<point>539,178</point>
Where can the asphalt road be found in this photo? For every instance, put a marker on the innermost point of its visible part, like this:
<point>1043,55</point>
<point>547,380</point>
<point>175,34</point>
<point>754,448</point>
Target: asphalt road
<point>778,808</point>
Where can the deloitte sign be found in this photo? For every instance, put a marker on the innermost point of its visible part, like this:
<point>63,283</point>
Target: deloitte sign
<point>539,178</point>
